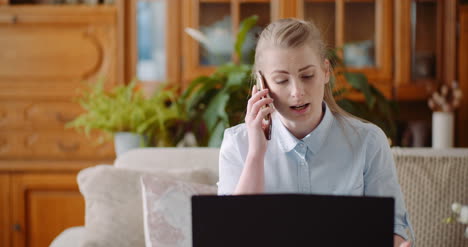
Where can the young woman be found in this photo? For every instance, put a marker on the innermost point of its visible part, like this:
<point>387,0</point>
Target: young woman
<point>315,146</point>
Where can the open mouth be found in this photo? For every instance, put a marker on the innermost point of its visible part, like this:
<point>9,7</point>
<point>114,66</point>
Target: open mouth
<point>300,107</point>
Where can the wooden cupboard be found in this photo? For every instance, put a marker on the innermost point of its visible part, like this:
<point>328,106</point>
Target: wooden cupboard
<point>405,47</point>
<point>38,200</point>
<point>47,53</point>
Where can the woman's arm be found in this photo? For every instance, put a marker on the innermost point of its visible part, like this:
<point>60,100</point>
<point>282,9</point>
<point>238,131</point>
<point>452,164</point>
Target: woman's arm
<point>252,178</point>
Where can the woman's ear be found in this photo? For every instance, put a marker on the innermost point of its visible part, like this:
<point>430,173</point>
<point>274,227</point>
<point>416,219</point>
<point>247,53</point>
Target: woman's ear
<point>327,71</point>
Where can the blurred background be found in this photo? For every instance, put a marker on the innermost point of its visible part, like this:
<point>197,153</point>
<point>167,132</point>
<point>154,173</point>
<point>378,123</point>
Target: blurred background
<point>410,53</point>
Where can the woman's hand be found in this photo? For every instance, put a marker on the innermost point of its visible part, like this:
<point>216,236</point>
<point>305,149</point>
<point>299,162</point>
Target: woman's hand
<point>252,179</point>
<point>254,121</point>
<point>400,242</point>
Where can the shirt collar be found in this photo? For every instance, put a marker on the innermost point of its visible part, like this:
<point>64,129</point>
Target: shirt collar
<point>313,140</point>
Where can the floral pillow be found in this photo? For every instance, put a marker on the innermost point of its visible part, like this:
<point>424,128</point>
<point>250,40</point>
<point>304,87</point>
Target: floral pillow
<point>167,210</point>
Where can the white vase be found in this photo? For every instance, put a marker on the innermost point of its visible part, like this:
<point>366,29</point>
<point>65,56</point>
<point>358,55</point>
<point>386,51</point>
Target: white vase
<point>124,141</point>
<point>442,129</point>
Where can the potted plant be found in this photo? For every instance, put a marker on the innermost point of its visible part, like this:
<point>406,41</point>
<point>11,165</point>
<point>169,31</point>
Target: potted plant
<point>125,114</point>
<point>218,101</point>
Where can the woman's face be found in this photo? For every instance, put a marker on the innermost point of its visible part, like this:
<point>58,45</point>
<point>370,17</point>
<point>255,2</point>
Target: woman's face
<point>296,78</point>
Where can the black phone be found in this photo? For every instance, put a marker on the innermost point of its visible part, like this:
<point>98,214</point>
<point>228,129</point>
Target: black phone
<point>267,119</point>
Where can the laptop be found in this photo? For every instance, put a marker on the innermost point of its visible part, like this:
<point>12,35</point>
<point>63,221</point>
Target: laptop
<point>292,220</point>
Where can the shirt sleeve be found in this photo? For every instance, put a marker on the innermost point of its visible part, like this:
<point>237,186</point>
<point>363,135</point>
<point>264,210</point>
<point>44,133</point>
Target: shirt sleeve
<point>380,179</point>
<point>230,164</point>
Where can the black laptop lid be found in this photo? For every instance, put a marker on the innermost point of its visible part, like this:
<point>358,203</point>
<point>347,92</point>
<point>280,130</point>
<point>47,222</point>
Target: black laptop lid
<point>292,220</point>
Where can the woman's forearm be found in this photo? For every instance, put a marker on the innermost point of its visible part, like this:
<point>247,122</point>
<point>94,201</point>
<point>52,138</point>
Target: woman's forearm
<point>252,180</point>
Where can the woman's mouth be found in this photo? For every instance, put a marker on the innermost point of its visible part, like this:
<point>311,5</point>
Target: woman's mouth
<point>300,108</point>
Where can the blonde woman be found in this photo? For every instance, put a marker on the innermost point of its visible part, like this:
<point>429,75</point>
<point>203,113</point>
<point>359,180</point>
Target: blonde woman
<point>315,146</point>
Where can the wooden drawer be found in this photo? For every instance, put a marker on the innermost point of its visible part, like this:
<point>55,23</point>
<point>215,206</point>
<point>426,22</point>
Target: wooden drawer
<point>55,145</point>
<point>37,115</point>
<point>50,50</point>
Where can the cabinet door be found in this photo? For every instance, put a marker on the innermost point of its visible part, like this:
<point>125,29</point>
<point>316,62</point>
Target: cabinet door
<point>5,209</point>
<point>219,22</point>
<point>361,29</point>
<point>43,205</point>
<point>49,51</point>
<point>154,41</point>
<point>419,43</point>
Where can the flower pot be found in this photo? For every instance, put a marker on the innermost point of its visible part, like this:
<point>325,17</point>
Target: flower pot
<point>124,141</point>
<point>442,129</point>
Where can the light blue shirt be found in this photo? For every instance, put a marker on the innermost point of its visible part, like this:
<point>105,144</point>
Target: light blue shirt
<point>341,156</point>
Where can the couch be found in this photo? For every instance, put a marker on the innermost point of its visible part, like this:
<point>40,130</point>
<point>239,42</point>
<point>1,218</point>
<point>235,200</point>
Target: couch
<point>431,181</point>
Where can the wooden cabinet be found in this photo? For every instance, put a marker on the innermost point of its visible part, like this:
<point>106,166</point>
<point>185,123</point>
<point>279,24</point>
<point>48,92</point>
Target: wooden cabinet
<point>425,50</point>
<point>38,203</point>
<point>47,53</point>
<point>405,48</point>
<point>43,205</point>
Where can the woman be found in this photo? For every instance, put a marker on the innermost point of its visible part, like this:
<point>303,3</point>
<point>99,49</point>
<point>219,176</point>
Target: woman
<point>315,146</point>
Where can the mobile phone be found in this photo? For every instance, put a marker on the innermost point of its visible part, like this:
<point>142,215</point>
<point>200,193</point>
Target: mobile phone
<point>267,119</point>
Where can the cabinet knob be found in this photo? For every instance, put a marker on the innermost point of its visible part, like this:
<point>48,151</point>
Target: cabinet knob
<point>17,227</point>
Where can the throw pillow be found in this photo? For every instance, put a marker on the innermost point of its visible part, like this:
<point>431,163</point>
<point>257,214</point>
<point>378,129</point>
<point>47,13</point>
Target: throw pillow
<point>166,209</point>
<point>114,205</point>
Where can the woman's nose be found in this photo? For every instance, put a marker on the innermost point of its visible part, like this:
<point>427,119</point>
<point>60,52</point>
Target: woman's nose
<point>297,89</point>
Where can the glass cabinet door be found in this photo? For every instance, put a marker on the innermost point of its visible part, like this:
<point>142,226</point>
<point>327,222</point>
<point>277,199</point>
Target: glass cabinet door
<point>361,32</point>
<point>323,14</point>
<point>263,11</point>
<point>212,28</point>
<point>153,46</point>
<point>424,43</point>
<point>215,23</point>
<point>418,38</point>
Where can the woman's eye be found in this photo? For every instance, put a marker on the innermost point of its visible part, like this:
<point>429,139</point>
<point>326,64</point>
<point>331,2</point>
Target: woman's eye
<point>307,76</point>
<point>281,81</point>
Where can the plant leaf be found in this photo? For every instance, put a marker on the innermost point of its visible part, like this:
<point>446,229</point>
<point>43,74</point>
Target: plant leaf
<point>359,82</point>
<point>244,28</point>
<point>217,134</point>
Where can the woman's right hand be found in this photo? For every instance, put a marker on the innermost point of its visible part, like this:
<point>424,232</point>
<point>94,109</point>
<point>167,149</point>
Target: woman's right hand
<point>254,121</point>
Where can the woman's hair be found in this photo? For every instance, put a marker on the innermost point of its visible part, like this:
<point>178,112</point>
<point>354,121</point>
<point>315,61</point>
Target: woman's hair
<point>291,33</point>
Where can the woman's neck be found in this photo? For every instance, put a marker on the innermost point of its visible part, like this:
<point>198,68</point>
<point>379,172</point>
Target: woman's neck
<point>303,128</point>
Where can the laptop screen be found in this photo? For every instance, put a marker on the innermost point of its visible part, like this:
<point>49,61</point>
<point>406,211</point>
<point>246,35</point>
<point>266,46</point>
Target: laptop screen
<point>292,220</point>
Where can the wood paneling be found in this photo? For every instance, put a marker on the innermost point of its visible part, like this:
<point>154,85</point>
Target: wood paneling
<point>57,145</point>
<point>41,52</point>
<point>28,114</point>
<point>462,114</point>
<point>43,206</point>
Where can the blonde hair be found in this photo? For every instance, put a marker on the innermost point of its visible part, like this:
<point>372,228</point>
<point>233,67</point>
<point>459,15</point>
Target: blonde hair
<point>292,33</point>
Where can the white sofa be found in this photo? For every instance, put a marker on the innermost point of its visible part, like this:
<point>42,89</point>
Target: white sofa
<point>430,179</point>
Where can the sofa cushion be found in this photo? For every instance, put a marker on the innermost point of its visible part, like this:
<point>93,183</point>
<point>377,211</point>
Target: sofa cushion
<point>114,205</point>
<point>166,210</point>
<point>431,180</point>
<point>146,159</point>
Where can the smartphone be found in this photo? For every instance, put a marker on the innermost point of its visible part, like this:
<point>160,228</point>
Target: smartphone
<point>267,121</point>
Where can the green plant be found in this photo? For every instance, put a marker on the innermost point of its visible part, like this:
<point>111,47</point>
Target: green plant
<point>125,109</point>
<point>375,108</point>
<point>218,101</point>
